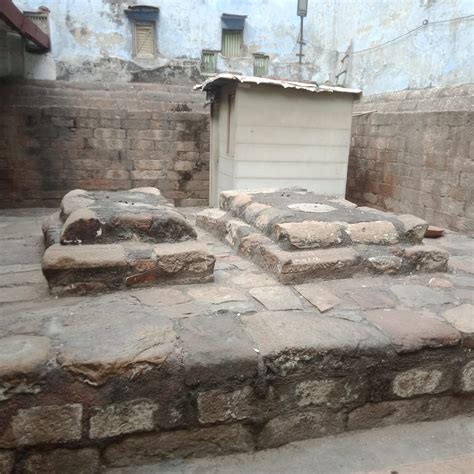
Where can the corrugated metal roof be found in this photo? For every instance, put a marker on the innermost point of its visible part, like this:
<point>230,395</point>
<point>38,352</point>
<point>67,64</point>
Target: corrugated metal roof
<point>225,78</point>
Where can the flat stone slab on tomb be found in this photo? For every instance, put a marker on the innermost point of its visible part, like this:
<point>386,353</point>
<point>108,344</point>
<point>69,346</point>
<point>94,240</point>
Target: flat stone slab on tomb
<point>89,217</point>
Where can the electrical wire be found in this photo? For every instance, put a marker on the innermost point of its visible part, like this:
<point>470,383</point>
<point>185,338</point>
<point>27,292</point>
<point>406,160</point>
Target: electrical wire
<point>424,24</point>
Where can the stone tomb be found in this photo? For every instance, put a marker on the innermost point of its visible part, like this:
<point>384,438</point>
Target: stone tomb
<point>101,241</point>
<point>299,235</point>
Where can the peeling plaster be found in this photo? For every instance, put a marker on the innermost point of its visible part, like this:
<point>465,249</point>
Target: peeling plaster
<point>96,33</point>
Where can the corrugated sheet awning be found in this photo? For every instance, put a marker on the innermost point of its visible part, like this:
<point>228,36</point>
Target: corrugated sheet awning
<point>15,18</point>
<point>225,78</point>
<point>233,22</point>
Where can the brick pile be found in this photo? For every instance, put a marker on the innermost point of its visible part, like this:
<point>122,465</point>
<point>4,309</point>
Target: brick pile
<point>57,136</point>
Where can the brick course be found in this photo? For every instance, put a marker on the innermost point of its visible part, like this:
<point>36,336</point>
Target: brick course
<point>57,136</point>
<point>413,152</point>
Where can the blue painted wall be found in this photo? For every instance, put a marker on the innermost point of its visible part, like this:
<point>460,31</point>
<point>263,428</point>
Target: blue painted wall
<point>92,40</point>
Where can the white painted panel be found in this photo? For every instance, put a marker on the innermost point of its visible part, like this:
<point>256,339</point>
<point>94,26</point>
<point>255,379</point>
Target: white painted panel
<point>225,182</point>
<point>292,135</point>
<point>322,186</point>
<point>292,108</point>
<point>245,169</point>
<point>226,166</point>
<point>290,153</point>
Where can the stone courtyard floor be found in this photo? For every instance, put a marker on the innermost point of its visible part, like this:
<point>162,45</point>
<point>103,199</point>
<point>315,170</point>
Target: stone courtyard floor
<point>218,333</point>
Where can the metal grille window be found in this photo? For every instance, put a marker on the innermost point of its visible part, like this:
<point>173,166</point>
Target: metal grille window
<point>260,65</point>
<point>145,40</point>
<point>231,43</point>
<point>208,62</point>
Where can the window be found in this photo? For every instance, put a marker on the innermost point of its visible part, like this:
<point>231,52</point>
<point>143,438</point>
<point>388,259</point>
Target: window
<point>232,29</point>
<point>260,65</point>
<point>144,20</point>
<point>145,40</point>
<point>208,62</point>
<point>231,43</point>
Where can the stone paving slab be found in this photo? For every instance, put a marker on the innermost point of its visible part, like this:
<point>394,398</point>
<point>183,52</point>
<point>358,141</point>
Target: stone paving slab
<point>165,372</point>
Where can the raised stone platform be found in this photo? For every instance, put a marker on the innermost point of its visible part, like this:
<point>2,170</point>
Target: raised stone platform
<point>102,241</point>
<point>241,364</point>
<point>300,236</point>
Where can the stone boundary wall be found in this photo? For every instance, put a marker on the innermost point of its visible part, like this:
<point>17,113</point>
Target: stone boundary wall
<point>57,136</point>
<point>413,152</point>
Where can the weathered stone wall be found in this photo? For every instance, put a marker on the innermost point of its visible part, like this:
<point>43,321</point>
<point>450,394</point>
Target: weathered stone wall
<point>413,152</point>
<point>57,136</point>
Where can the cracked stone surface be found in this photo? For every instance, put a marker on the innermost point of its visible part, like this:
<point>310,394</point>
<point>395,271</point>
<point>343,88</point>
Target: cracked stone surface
<point>99,342</point>
<point>276,298</point>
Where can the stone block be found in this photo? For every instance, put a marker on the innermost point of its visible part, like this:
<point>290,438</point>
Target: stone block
<point>216,349</point>
<point>56,461</point>
<point>115,338</point>
<point>318,296</point>
<point>47,424</point>
<point>414,228</point>
<point>376,232</point>
<point>216,405</point>
<point>82,226</point>
<point>462,318</point>
<point>299,266</point>
<point>146,448</point>
<point>419,296</point>
<point>122,418</point>
<point>109,133</point>
<point>23,356</point>
<point>411,331</point>
<point>426,258</point>
<point>74,200</point>
<point>7,460</point>
<point>333,393</point>
<point>389,264</point>
<point>276,298</point>
<point>310,234</point>
<point>298,426</point>
<point>420,382</point>
<point>388,413</point>
<point>185,260</point>
<point>63,257</point>
<point>285,336</point>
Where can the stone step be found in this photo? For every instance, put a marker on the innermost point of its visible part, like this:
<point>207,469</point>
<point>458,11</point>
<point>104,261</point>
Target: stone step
<point>98,268</point>
<point>298,266</point>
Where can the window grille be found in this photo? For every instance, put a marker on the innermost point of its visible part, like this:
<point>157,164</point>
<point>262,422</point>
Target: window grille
<point>208,62</point>
<point>231,43</point>
<point>145,40</point>
<point>260,65</point>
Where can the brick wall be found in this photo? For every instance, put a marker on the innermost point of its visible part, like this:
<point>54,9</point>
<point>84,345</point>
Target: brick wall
<point>413,151</point>
<point>57,136</point>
